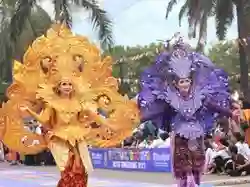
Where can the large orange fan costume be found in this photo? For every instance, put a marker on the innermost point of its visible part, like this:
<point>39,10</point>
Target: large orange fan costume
<point>65,87</point>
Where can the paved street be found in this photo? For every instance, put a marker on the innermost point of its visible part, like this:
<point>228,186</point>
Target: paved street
<point>23,176</point>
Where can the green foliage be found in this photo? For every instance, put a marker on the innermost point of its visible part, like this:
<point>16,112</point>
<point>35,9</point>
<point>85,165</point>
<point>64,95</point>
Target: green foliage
<point>225,55</point>
<point>198,13</point>
<point>130,62</point>
<point>13,47</point>
<point>224,12</point>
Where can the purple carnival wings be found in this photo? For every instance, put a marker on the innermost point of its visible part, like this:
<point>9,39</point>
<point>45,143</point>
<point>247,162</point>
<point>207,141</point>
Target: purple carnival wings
<point>210,85</point>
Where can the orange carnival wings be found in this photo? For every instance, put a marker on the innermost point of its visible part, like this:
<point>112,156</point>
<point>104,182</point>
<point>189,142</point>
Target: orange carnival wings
<point>106,116</point>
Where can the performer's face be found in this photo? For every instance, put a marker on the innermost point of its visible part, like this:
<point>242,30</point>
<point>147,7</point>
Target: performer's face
<point>183,85</point>
<point>66,87</point>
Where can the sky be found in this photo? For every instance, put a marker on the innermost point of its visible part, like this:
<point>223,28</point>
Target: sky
<point>138,22</point>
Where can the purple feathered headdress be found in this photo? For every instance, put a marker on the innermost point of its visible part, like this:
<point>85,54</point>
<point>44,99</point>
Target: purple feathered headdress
<point>178,61</point>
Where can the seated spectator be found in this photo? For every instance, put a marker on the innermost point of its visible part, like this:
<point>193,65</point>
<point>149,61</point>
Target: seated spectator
<point>137,139</point>
<point>162,142</point>
<point>242,146</point>
<point>148,129</point>
<point>128,142</point>
<point>241,166</point>
<point>147,142</point>
<point>209,166</point>
<point>222,158</point>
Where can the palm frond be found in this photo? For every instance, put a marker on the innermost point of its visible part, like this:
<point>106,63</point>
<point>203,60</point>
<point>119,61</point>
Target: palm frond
<point>183,10</point>
<point>207,10</point>
<point>21,15</point>
<point>170,7</point>
<point>62,12</point>
<point>193,14</point>
<point>198,14</point>
<point>224,17</point>
<point>3,14</point>
<point>100,20</point>
<point>202,32</point>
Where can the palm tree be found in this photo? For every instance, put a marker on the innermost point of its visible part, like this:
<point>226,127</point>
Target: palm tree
<point>198,12</point>
<point>24,20</point>
<point>13,48</point>
<point>63,13</point>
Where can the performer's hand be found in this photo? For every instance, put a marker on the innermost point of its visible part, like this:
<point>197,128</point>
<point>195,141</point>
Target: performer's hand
<point>23,108</point>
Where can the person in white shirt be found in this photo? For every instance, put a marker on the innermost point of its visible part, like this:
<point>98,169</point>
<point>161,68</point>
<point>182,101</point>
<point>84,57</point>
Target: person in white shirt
<point>242,146</point>
<point>209,166</point>
<point>222,157</point>
<point>162,142</point>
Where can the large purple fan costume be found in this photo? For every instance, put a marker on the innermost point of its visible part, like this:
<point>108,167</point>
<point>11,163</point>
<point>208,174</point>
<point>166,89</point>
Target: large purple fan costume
<point>191,117</point>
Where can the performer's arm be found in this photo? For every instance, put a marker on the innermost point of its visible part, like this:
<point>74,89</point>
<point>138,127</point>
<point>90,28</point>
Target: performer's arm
<point>217,108</point>
<point>159,113</point>
<point>44,117</point>
<point>152,111</point>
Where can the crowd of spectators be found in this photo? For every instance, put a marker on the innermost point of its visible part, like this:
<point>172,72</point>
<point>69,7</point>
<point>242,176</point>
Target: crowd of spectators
<point>14,158</point>
<point>227,151</point>
<point>147,136</point>
<point>227,156</point>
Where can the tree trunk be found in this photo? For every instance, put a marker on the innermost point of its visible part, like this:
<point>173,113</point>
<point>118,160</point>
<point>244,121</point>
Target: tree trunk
<point>244,53</point>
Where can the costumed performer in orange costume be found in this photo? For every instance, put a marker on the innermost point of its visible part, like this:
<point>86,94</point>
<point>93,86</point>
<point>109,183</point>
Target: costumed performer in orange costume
<point>68,78</point>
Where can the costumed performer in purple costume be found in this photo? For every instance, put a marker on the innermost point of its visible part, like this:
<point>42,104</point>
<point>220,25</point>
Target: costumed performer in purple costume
<point>185,91</point>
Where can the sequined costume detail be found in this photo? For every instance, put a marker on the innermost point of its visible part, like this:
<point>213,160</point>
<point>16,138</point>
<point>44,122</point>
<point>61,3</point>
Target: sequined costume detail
<point>61,87</point>
<point>184,92</point>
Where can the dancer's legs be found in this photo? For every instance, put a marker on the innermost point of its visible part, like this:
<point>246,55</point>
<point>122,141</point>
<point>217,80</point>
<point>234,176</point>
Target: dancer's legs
<point>197,177</point>
<point>85,157</point>
<point>67,158</point>
<point>198,160</point>
<point>60,152</point>
<point>187,164</point>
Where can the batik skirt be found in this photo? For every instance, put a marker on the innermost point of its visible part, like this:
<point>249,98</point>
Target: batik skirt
<point>185,161</point>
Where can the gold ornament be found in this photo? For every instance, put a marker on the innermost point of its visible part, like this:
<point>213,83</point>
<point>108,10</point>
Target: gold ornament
<point>66,86</point>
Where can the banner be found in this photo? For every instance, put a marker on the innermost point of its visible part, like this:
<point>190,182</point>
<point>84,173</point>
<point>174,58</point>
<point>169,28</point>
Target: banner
<point>149,160</point>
